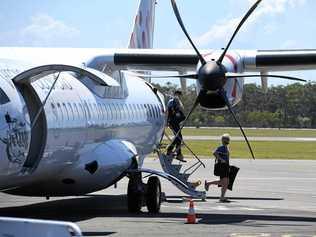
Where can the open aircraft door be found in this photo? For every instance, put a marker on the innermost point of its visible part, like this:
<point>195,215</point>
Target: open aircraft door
<point>35,104</point>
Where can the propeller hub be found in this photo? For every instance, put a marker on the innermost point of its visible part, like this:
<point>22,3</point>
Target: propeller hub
<point>211,76</point>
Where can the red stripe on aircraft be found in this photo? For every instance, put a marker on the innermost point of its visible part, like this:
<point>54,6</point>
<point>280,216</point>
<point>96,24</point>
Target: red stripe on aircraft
<point>234,62</point>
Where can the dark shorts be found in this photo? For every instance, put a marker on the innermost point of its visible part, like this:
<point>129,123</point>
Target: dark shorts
<point>223,170</point>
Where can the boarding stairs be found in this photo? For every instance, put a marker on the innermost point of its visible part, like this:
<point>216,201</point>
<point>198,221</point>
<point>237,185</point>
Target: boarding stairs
<point>179,172</point>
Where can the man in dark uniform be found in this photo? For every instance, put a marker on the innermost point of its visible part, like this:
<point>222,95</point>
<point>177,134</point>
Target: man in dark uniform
<point>175,117</point>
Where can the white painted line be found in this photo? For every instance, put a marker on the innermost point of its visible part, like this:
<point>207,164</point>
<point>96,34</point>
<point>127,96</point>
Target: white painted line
<point>251,209</point>
<point>215,208</point>
<point>250,235</point>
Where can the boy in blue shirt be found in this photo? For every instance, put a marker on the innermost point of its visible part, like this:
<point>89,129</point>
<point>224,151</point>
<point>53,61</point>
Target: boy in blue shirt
<point>222,157</point>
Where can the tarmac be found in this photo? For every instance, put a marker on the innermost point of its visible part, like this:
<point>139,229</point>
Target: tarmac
<point>270,198</point>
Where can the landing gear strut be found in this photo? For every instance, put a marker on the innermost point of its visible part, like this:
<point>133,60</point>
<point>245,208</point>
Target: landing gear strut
<point>139,194</point>
<point>135,193</point>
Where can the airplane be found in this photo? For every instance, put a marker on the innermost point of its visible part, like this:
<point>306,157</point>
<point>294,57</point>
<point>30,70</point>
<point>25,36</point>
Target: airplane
<point>74,121</point>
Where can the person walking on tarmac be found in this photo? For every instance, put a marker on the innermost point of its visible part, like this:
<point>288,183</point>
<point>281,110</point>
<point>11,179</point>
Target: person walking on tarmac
<point>221,167</point>
<point>175,117</point>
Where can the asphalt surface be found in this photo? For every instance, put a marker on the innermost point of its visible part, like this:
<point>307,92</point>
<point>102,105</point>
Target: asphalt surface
<point>270,198</point>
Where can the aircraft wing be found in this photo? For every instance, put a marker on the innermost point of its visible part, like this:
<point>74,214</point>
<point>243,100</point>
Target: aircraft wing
<point>163,59</point>
<point>187,60</point>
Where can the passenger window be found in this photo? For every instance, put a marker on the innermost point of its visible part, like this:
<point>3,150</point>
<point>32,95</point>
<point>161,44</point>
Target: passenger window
<point>122,112</point>
<point>126,112</point>
<point>3,97</point>
<point>119,115</point>
<point>139,112</point>
<point>152,115</point>
<point>82,111</point>
<point>158,111</point>
<point>115,113</point>
<point>105,112</point>
<point>148,111</point>
<point>86,107</point>
<point>93,115</point>
<point>114,110</point>
<point>65,108</point>
<point>77,114</point>
<point>110,116</point>
<point>60,111</point>
<point>132,111</point>
<point>97,113</point>
<point>155,110</point>
<point>71,111</point>
<point>55,112</point>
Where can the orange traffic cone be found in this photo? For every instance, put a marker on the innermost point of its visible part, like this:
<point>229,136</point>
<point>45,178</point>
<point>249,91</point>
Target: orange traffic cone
<point>191,217</point>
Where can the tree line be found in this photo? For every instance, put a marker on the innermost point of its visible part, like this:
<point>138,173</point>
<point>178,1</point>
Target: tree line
<point>292,106</point>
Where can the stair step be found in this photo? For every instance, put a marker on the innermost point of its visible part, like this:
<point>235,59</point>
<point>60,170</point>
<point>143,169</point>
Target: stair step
<point>176,168</point>
<point>180,180</point>
<point>184,177</point>
<point>184,187</point>
<point>167,159</point>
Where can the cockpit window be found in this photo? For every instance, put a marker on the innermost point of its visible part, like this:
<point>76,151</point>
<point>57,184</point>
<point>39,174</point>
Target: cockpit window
<point>3,97</point>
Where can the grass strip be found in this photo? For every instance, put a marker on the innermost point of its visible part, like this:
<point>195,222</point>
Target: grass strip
<point>262,149</point>
<point>250,132</point>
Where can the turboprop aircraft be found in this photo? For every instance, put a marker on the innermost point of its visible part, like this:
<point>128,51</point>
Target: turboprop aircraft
<point>75,121</point>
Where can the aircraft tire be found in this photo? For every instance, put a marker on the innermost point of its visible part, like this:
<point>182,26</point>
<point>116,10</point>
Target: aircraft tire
<point>134,197</point>
<point>153,197</point>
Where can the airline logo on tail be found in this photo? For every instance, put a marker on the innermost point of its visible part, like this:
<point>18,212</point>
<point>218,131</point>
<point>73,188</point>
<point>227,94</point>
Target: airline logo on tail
<point>143,32</point>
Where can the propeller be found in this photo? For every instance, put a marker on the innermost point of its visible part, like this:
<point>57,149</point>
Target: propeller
<point>212,75</point>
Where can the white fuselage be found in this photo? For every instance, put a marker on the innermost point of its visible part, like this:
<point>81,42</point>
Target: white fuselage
<point>82,128</point>
<point>89,135</point>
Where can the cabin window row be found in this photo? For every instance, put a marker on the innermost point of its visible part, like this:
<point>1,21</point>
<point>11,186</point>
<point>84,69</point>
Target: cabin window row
<point>104,112</point>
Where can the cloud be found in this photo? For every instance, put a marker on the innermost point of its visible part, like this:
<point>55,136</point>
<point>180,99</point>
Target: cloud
<point>289,44</point>
<point>223,29</point>
<point>44,30</point>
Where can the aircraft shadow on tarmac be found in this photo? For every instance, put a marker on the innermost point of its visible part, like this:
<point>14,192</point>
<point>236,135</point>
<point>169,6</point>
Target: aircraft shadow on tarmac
<point>92,206</point>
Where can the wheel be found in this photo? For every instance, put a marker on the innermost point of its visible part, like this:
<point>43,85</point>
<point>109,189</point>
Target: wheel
<point>134,197</point>
<point>153,195</point>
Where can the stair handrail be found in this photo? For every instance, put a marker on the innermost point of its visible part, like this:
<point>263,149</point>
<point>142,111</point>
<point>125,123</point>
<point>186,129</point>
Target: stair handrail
<point>190,150</point>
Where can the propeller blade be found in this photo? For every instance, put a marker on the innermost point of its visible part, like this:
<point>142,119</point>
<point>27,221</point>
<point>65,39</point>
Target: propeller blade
<point>251,10</point>
<point>223,93</point>
<point>229,76</point>
<point>185,76</point>
<point>178,16</point>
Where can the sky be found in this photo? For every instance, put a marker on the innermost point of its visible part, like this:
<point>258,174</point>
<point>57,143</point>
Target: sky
<point>276,24</point>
